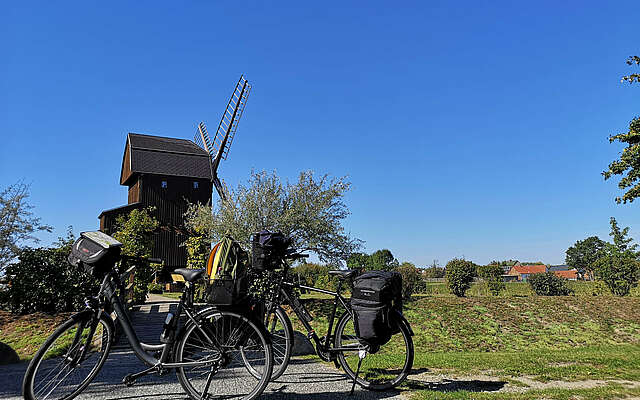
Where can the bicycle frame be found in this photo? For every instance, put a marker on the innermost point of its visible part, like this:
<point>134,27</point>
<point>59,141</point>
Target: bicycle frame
<point>305,317</point>
<point>110,284</point>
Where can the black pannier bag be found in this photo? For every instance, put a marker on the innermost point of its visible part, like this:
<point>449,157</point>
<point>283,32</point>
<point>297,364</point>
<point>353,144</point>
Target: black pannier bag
<point>267,248</point>
<point>377,295</point>
<point>96,251</point>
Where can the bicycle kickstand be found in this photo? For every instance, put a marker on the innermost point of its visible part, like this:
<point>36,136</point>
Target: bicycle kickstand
<point>361,356</point>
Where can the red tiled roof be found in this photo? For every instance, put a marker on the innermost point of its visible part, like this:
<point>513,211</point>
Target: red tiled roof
<point>530,269</point>
<point>571,274</point>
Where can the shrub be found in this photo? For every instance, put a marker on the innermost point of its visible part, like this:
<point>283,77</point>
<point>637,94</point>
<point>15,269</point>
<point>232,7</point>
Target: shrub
<point>460,274</point>
<point>43,281</point>
<point>316,275</point>
<point>619,271</point>
<point>155,288</point>
<point>411,279</point>
<point>549,284</point>
<point>492,275</point>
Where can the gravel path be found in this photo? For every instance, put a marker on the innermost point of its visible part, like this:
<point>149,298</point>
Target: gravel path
<point>312,379</point>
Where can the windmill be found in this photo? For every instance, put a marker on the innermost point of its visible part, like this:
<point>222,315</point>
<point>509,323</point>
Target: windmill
<point>218,149</point>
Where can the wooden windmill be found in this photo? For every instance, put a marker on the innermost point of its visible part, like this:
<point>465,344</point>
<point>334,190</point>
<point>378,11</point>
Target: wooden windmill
<point>218,149</point>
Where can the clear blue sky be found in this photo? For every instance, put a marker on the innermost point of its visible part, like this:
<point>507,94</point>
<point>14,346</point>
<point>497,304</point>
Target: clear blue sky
<point>468,128</point>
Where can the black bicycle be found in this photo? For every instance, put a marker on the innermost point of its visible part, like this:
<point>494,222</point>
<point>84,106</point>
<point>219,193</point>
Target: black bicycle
<point>372,368</point>
<point>210,344</point>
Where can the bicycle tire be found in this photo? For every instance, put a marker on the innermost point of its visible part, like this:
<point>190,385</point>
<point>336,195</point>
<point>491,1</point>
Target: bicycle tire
<point>374,372</point>
<point>49,353</point>
<point>225,338</point>
<point>279,326</point>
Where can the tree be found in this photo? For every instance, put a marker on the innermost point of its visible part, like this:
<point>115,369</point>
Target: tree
<point>358,261</point>
<point>434,271</point>
<point>492,275</point>
<point>460,274</point>
<point>619,266</point>
<point>411,279</point>
<point>584,253</point>
<point>310,210</point>
<point>135,232</point>
<point>17,222</point>
<point>383,260</point>
<point>628,166</point>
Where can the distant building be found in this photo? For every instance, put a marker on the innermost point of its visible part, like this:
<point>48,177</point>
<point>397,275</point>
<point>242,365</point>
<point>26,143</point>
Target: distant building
<point>522,272</point>
<point>571,274</point>
<point>563,267</point>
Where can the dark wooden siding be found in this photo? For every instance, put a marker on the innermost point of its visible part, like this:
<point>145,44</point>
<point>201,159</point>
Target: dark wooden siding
<point>134,192</point>
<point>125,173</point>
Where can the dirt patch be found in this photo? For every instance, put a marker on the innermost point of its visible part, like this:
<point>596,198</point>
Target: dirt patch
<point>588,384</point>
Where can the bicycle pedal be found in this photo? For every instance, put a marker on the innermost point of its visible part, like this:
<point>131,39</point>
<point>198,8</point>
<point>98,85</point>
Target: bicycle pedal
<point>129,380</point>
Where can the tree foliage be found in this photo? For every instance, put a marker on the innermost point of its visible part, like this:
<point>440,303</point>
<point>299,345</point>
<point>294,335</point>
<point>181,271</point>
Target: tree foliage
<point>412,280</point>
<point>492,275</point>
<point>310,210</point>
<point>628,165</point>
<point>584,253</point>
<point>378,260</point>
<point>460,274</point>
<point>17,222</point>
<point>549,284</point>
<point>618,268</point>
<point>43,281</point>
<point>135,232</point>
<point>434,270</point>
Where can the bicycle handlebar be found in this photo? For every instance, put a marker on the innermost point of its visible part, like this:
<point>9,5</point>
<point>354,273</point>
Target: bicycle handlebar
<point>142,259</point>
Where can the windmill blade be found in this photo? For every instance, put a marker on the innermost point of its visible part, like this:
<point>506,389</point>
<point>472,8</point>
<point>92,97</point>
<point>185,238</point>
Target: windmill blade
<point>201,138</point>
<point>229,123</point>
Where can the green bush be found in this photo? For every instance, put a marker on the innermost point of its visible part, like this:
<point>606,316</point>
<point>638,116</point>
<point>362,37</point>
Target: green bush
<point>315,275</point>
<point>459,275</point>
<point>412,280</point>
<point>549,284</point>
<point>492,275</point>
<point>43,281</point>
<point>155,288</point>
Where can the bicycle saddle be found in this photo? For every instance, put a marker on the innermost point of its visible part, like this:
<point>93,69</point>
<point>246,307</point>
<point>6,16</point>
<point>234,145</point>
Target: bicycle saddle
<point>190,275</point>
<point>344,274</point>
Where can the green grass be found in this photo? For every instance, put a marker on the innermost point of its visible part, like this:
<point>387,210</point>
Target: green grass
<point>611,391</point>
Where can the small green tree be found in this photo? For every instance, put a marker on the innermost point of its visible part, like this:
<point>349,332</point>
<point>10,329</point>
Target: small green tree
<point>383,260</point>
<point>492,275</point>
<point>198,244</point>
<point>549,284</point>
<point>618,267</point>
<point>135,232</point>
<point>17,222</point>
<point>584,253</point>
<point>434,270</point>
<point>412,280</point>
<point>459,275</point>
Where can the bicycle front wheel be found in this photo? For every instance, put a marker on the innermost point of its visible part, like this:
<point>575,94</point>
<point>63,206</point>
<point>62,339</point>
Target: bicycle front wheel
<point>230,349</point>
<point>68,360</point>
<point>279,327</point>
<point>386,368</point>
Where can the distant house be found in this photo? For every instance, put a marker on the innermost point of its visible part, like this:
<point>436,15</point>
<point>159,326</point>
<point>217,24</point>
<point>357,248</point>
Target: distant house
<point>563,267</point>
<point>571,274</point>
<point>522,272</point>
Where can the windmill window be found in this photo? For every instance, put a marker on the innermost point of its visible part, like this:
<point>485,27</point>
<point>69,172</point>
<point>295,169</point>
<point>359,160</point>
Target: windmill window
<point>195,185</point>
<point>164,184</point>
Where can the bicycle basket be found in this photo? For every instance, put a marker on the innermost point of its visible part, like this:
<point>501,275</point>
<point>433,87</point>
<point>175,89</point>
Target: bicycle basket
<point>96,252</point>
<point>267,248</point>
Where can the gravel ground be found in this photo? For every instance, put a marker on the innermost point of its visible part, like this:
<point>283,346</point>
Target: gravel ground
<point>308,378</point>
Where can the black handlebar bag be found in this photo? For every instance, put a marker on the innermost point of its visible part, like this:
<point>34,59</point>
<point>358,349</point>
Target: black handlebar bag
<point>96,252</point>
<point>267,248</point>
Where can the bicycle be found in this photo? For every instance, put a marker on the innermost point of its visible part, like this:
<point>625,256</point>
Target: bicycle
<point>372,368</point>
<point>211,344</point>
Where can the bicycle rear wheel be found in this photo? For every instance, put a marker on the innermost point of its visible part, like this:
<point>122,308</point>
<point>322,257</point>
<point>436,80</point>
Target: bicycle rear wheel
<point>386,368</point>
<point>232,348</point>
<point>61,368</point>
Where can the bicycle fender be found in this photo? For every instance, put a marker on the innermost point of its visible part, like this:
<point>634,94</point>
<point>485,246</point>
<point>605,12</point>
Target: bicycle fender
<point>403,321</point>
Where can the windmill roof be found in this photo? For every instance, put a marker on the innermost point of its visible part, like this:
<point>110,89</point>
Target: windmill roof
<point>164,156</point>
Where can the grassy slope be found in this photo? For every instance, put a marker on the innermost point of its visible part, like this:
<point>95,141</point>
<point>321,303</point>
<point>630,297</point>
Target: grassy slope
<point>25,333</point>
<point>572,338</point>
